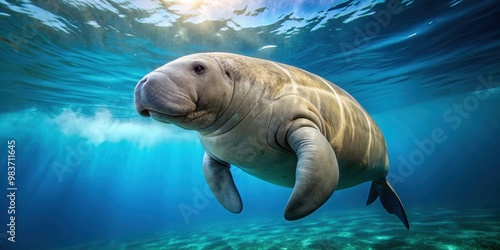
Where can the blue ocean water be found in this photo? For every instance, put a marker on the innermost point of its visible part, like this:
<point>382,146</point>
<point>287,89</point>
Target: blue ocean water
<point>91,173</point>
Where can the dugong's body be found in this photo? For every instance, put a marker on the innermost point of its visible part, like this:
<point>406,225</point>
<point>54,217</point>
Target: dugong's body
<point>274,121</point>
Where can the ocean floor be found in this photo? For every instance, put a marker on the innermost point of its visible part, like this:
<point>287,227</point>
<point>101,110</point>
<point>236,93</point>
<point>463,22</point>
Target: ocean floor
<point>450,227</point>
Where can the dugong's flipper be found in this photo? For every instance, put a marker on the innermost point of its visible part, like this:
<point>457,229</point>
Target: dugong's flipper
<point>389,200</point>
<point>317,173</point>
<point>221,183</point>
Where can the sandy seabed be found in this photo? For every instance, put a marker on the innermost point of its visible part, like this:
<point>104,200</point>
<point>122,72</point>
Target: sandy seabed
<point>450,227</point>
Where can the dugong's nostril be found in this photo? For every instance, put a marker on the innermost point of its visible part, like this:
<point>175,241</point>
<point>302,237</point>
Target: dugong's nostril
<point>143,80</point>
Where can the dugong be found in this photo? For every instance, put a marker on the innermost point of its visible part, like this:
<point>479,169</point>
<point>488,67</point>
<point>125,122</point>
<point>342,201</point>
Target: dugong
<point>273,121</point>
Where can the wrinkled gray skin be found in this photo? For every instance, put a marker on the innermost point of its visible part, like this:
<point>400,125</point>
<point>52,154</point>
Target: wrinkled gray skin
<point>276,122</point>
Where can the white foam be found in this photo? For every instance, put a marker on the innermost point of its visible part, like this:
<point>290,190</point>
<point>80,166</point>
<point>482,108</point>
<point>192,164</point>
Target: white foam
<point>103,127</point>
<point>97,128</point>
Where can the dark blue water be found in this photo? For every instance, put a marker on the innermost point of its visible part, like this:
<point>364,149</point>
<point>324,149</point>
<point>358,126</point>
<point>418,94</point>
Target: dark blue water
<point>90,169</point>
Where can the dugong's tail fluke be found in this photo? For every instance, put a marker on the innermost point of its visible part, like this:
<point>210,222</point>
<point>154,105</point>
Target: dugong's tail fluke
<point>389,199</point>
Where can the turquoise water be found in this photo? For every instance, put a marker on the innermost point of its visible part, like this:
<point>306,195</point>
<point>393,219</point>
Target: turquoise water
<point>93,174</point>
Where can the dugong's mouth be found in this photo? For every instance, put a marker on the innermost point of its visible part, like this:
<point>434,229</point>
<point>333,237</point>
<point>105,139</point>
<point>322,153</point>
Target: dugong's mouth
<point>166,114</point>
<point>145,113</point>
<point>162,117</point>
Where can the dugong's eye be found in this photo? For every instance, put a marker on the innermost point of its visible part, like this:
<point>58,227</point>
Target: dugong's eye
<point>198,69</point>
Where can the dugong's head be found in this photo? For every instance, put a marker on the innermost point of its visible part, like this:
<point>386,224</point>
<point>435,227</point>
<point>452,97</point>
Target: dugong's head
<point>189,92</point>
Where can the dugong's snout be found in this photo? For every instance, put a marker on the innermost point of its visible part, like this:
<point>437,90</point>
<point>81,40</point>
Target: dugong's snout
<point>156,95</point>
<point>138,98</point>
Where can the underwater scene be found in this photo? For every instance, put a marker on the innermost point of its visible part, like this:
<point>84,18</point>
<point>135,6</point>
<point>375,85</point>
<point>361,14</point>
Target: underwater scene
<point>90,161</point>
